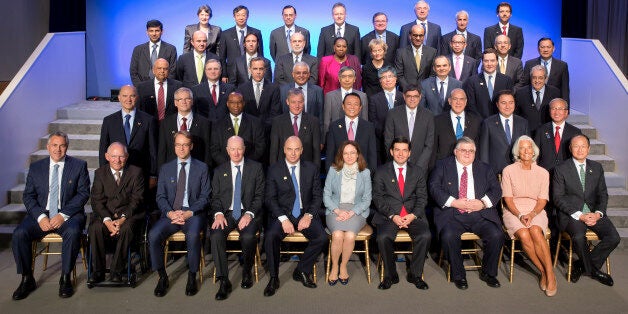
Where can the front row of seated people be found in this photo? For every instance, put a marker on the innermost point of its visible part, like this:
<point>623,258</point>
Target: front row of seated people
<point>466,191</point>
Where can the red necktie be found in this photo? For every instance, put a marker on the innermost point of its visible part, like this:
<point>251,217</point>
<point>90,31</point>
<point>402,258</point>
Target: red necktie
<point>402,184</point>
<point>184,126</point>
<point>295,127</point>
<point>462,191</point>
<point>504,30</point>
<point>557,139</point>
<point>350,134</point>
<point>214,95</point>
<point>161,104</point>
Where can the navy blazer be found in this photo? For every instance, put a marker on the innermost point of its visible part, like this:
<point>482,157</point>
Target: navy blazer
<point>186,68</point>
<point>198,186</point>
<point>431,98</point>
<point>200,131</point>
<point>147,99</point>
<point>363,192</point>
<point>478,98</point>
<point>493,148</point>
<point>280,194</point>
<point>365,137</point>
<point>141,65</point>
<point>285,63</point>
<point>239,71</point>
<point>392,40</point>
<point>473,49</point>
<point>229,46</point>
<point>515,33</point>
<point>204,103</point>
<point>309,133</point>
<point>405,64</point>
<point>279,44</point>
<point>544,138</point>
<point>433,35</point>
<point>388,198</point>
<point>558,76</point>
<point>74,188</point>
<point>252,193</point>
<point>469,67</point>
<point>251,131</point>
<point>328,35</point>
<point>422,136</point>
<point>445,137</point>
<point>443,184</point>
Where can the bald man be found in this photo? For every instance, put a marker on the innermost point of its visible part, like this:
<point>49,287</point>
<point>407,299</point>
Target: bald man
<point>190,65</point>
<point>156,96</point>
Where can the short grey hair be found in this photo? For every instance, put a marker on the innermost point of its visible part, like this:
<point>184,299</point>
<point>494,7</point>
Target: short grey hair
<point>60,134</point>
<point>464,140</point>
<point>538,67</point>
<point>301,64</point>
<point>345,69</point>
<point>515,147</point>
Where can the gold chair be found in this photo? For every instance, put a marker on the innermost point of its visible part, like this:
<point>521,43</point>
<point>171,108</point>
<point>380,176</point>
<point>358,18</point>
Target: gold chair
<point>179,236</point>
<point>513,250</point>
<point>45,251</point>
<point>234,236</point>
<point>364,235</point>
<point>590,236</point>
<point>297,237</point>
<point>474,252</point>
<point>402,237</point>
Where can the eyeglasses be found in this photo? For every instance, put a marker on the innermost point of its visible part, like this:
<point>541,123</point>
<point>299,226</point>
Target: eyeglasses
<point>179,145</point>
<point>466,151</point>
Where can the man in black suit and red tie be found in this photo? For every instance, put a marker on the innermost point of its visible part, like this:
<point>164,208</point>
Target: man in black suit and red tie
<point>156,97</point>
<point>467,193</point>
<point>400,196</point>
<point>504,27</point>
<point>210,97</point>
<point>553,137</point>
<point>482,89</point>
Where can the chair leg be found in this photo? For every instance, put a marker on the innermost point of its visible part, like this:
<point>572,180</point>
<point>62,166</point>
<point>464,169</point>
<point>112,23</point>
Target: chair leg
<point>380,267</point>
<point>512,258</point>
<point>83,254</point>
<point>328,261</point>
<point>557,249</point>
<point>202,263</point>
<point>166,252</point>
<point>608,266</point>
<point>46,256</point>
<point>569,264</point>
<point>34,250</point>
<point>367,259</point>
<point>314,270</point>
<point>257,262</point>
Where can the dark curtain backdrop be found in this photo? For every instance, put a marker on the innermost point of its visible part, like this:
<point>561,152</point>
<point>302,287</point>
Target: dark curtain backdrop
<point>608,21</point>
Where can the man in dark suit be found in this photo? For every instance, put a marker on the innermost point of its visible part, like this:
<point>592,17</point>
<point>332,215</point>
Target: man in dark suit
<point>500,131</point>
<point>210,98</point>
<point>533,99</point>
<point>231,44</point>
<point>332,110</point>
<point>553,137</point>
<point>504,27</point>
<point>184,120</point>
<point>237,199</point>
<point>261,96</point>
<point>380,23</point>
<point>156,97</point>
<point>482,89</point>
<point>295,122</point>
<point>436,89</point>
<point>313,93</point>
<point>246,126</point>
<point>414,62</point>
<point>400,196</point>
<point>280,37</point>
<point>463,66</point>
<point>353,128</point>
<point>117,195</point>
<point>473,42</point>
<point>293,199</point>
<point>56,191</point>
<point>239,71</point>
<point>182,197</point>
<point>462,208</point>
<point>580,194</point>
<point>432,30</point>
<point>339,28</point>
<point>380,104</point>
<point>284,65</point>
<point>414,122</point>
<point>507,64</point>
<point>190,64</point>
<point>144,55</point>
<point>558,71</point>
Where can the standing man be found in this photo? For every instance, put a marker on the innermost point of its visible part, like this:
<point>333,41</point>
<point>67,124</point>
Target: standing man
<point>211,96</point>
<point>464,66</point>
<point>280,37</point>
<point>504,27</point>
<point>414,62</point>
<point>261,96</point>
<point>144,55</point>
<point>285,63</point>
<point>334,99</point>
<point>191,64</point>
<point>293,199</point>
<point>339,28</point>
<point>240,69</point>
<point>507,64</point>
<point>557,70</point>
<point>231,44</point>
<point>302,79</point>
<point>467,192</point>
<point>482,89</point>
<point>432,30</point>
<point>182,197</point>
<point>57,189</point>
<point>553,137</point>
<point>381,103</point>
<point>533,99</point>
<point>400,196</point>
<point>473,47</point>
<point>156,96</point>
<point>237,199</point>
<point>380,31</point>
<point>436,89</point>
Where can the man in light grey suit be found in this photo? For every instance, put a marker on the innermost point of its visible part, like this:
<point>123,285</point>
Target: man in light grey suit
<point>506,64</point>
<point>333,100</point>
<point>285,63</point>
<point>313,93</point>
<point>280,36</point>
<point>436,89</point>
<point>414,62</point>
<point>145,55</point>
<point>399,123</point>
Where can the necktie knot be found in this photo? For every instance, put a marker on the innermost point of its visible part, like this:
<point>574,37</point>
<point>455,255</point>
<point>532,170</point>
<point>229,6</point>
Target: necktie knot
<point>183,163</point>
<point>127,117</point>
<point>557,128</point>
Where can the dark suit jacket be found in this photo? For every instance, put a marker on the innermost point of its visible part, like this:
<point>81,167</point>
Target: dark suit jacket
<point>252,196</point>
<point>422,137</point>
<point>445,137</point>
<point>112,200</point>
<point>279,44</point>
<point>141,65</point>
<point>558,76</point>
<point>370,78</point>
<point>328,35</point>
<point>280,189</point>
<point>473,49</point>
<point>239,71</point>
<point>378,111</point>
<point>212,39</point>
<point>143,146</point>
<point>387,196</point>
<point>392,40</point>
<point>364,136</point>
<point>313,105</point>
<point>73,190</point>
<point>198,186</point>
<point>269,102</point>
<point>544,139</point>
<point>433,35</point>
<point>407,72</point>
<point>443,183</point>
<point>204,104</point>
<point>526,108</point>
<point>229,46</point>
<point>199,129</point>
<point>251,131</point>
<point>430,98</point>
<point>493,147</point>
<point>309,133</point>
<point>285,63</point>
<point>332,110</point>
<point>514,70</point>
<point>567,192</point>
<point>515,33</point>
<point>478,98</point>
<point>469,67</point>
<point>186,69</point>
<point>147,99</point>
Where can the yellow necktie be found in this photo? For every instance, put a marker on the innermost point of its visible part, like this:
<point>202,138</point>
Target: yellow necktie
<point>199,68</point>
<point>502,68</point>
<point>417,59</point>
<point>236,125</point>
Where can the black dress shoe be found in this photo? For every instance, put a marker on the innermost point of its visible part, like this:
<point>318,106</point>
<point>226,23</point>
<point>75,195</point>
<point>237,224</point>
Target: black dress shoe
<point>603,278</point>
<point>576,272</point>
<point>115,277</point>
<point>411,278</point>
<point>344,281</point>
<point>490,280</point>
<point>65,286</point>
<point>247,279</point>
<point>304,278</point>
<point>224,290</point>
<point>27,286</point>
<point>385,284</point>
<point>420,284</point>
<point>96,277</point>
<point>271,287</point>
<point>191,288</point>
<point>461,284</point>
<point>162,286</point>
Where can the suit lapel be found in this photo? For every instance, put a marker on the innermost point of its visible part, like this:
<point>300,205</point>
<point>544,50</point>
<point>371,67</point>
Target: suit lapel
<point>228,180</point>
<point>137,124</point>
<point>394,179</point>
<point>342,129</point>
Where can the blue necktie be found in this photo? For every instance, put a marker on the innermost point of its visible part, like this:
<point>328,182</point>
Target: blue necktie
<point>237,194</point>
<point>127,128</point>
<point>508,134</point>
<point>490,86</point>
<point>459,131</point>
<point>53,210</point>
<point>391,101</point>
<point>288,40</point>
<point>241,42</point>
<point>296,208</point>
<point>441,94</point>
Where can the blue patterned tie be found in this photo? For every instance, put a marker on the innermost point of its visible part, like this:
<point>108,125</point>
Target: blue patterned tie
<point>53,198</point>
<point>441,94</point>
<point>490,86</point>
<point>127,128</point>
<point>288,40</point>
<point>508,134</point>
<point>459,131</point>
<point>237,194</point>
<point>296,208</point>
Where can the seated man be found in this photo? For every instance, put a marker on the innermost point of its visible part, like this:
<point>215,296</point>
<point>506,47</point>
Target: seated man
<point>56,191</point>
<point>293,199</point>
<point>403,210</point>
<point>581,201</point>
<point>237,198</point>
<point>467,193</point>
<point>182,200</point>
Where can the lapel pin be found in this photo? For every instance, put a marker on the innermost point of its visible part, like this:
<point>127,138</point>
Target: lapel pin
<point>590,171</point>
<point>70,182</point>
<point>304,127</point>
<point>139,124</point>
<point>433,89</point>
<point>340,126</point>
<point>285,178</point>
<point>481,84</point>
<point>393,180</point>
<point>225,174</point>
<point>448,183</point>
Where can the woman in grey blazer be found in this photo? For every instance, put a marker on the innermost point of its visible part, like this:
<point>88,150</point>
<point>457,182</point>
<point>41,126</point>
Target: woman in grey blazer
<point>347,197</point>
<point>213,32</point>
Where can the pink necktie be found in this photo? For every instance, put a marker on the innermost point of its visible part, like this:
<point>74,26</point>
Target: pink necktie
<point>350,133</point>
<point>295,127</point>
<point>457,67</point>
<point>462,190</point>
